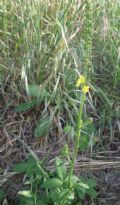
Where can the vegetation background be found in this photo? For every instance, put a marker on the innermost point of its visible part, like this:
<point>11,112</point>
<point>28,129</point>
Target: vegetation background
<point>44,47</point>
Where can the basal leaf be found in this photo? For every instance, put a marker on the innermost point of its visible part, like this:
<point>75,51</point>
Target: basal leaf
<point>60,168</point>
<point>21,167</point>
<point>81,193</point>
<point>91,183</point>
<point>63,194</point>
<point>52,183</point>
<point>43,127</point>
<point>92,193</point>
<point>36,91</point>
<point>84,185</point>
<point>29,166</point>
<point>25,106</point>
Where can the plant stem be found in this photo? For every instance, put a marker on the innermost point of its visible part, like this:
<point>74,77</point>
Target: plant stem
<point>78,135</point>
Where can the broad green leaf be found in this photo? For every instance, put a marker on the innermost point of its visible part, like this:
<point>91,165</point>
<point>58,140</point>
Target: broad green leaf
<point>43,127</point>
<point>84,185</point>
<point>25,106</point>
<point>60,168</point>
<point>33,91</point>
<point>91,183</point>
<point>36,91</point>
<point>52,183</point>
<point>54,196</point>
<point>21,167</point>
<point>84,142</point>
<point>92,193</point>
<point>26,201</point>
<point>63,195</point>
<point>29,166</point>
<point>74,179</point>
<point>82,179</point>
<point>81,193</point>
<point>32,166</point>
<point>26,193</point>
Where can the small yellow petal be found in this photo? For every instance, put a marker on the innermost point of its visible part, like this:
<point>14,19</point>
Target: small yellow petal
<point>86,89</point>
<point>80,81</point>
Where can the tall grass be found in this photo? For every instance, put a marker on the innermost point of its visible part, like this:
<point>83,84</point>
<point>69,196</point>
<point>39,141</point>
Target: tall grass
<point>50,42</point>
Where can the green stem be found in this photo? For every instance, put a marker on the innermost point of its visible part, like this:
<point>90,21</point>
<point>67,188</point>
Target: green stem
<point>78,135</point>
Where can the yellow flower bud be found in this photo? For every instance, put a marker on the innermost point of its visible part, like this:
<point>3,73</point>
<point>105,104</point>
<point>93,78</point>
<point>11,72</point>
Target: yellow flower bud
<point>85,89</point>
<point>80,81</point>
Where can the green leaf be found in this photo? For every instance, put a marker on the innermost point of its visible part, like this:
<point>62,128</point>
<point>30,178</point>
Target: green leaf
<point>81,193</point>
<point>91,183</point>
<point>21,167</point>
<point>74,179</point>
<point>54,196</point>
<point>25,106</point>
<point>61,168</point>
<point>26,193</point>
<point>92,193</point>
<point>43,197</point>
<point>68,129</point>
<point>39,202</point>
<point>79,203</point>
<point>84,185</point>
<point>29,166</point>
<point>84,142</point>
<point>52,183</point>
<point>36,91</point>
<point>26,201</point>
<point>43,127</point>
<point>63,195</point>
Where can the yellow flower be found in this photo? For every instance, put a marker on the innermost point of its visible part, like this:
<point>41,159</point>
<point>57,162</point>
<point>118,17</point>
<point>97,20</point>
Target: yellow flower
<point>80,81</point>
<point>86,89</point>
